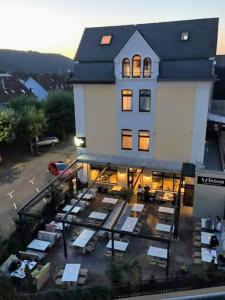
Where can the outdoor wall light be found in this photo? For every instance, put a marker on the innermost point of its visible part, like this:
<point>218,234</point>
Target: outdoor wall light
<point>80,141</point>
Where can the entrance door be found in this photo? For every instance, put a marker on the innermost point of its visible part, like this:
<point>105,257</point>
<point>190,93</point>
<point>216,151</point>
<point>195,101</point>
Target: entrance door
<point>188,195</point>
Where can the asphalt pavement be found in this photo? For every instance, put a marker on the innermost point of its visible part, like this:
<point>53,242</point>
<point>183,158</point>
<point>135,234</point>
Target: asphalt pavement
<point>23,176</point>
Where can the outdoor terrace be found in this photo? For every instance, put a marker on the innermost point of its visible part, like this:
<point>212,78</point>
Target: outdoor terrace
<point>109,232</point>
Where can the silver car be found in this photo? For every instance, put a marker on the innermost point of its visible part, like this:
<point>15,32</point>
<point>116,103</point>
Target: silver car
<point>52,140</point>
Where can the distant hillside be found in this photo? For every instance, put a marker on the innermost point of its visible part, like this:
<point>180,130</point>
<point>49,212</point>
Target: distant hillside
<point>33,62</point>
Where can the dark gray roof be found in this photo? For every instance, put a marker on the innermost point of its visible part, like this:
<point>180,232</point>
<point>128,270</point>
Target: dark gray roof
<point>164,38</point>
<point>101,72</point>
<point>191,69</point>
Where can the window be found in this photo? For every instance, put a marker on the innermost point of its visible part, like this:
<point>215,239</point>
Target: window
<point>106,40</point>
<point>126,100</point>
<point>143,140</point>
<point>144,100</point>
<point>126,139</point>
<point>126,68</point>
<point>136,66</point>
<point>147,67</point>
<point>184,36</point>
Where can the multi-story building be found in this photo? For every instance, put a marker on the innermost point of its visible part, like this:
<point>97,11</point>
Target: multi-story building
<point>142,94</point>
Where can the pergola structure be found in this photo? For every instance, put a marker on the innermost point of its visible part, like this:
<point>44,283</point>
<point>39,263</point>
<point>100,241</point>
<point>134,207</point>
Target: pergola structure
<point>26,211</point>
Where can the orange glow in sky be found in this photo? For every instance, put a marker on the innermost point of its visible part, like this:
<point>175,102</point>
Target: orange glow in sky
<point>56,26</point>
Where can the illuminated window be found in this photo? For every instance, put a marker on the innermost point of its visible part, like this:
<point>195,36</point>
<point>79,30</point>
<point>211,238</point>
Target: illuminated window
<point>126,139</point>
<point>106,40</point>
<point>136,66</point>
<point>126,68</point>
<point>127,100</point>
<point>144,100</point>
<point>184,36</point>
<point>143,140</point>
<point>147,67</point>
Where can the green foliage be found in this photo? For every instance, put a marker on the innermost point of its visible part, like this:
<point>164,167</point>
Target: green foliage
<point>31,117</point>
<point>7,124</point>
<point>18,103</point>
<point>59,109</point>
<point>7,290</point>
<point>123,269</point>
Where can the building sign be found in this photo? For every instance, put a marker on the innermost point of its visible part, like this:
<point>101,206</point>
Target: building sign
<point>211,181</point>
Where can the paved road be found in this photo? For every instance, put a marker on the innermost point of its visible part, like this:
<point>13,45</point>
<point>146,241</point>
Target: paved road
<point>23,177</point>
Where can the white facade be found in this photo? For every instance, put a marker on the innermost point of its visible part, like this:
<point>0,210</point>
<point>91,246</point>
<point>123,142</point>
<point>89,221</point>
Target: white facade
<point>135,120</point>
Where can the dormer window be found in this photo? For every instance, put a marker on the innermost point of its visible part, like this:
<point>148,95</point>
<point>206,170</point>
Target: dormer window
<point>106,40</point>
<point>184,36</point>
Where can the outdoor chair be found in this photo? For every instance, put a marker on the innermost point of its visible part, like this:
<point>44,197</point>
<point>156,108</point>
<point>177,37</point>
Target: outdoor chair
<point>81,280</point>
<point>196,254</point>
<point>196,244</point>
<point>83,272</point>
<point>95,238</point>
<point>153,262</point>
<point>89,248</point>
<point>162,264</point>
<point>196,238</point>
<point>108,253</point>
<point>197,261</point>
<point>137,230</point>
<point>59,273</point>
<point>58,282</point>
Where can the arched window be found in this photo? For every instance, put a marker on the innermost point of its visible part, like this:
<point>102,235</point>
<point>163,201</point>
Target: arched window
<point>126,68</point>
<point>147,67</point>
<point>136,66</point>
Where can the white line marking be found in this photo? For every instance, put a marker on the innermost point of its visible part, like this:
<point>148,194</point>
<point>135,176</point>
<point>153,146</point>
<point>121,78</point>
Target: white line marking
<point>31,181</point>
<point>14,204</point>
<point>45,201</point>
<point>37,189</point>
<point>10,194</point>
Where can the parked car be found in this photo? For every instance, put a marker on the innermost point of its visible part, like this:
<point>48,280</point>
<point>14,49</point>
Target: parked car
<point>52,140</point>
<point>57,167</point>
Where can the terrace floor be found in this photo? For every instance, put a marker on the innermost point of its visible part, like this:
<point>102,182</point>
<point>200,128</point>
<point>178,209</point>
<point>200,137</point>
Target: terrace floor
<point>97,263</point>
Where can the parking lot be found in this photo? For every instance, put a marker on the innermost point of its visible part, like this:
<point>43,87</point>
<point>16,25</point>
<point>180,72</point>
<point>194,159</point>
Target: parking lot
<point>22,176</point>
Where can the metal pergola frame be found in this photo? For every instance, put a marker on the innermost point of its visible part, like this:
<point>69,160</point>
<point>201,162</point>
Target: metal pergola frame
<point>23,213</point>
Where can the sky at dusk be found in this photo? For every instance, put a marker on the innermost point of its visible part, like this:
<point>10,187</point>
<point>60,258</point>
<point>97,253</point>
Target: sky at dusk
<point>56,26</point>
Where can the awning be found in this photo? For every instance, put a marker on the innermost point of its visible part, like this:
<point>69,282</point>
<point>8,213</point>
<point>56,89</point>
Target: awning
<point>216,118</point>
<point>132,162</point>
<point>188,170</point>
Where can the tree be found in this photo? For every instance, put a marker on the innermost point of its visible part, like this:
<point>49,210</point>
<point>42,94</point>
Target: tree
<point>32,123</point>
<point>31,118</point>
<point>18,103</point>
<point>7,124</point>
<point>59,109</point>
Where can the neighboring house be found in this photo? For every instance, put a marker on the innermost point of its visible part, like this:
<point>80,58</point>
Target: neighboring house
<point>41,85</point>
<point>11,87</point>
<point>141,96</point>
<point>36,88</point>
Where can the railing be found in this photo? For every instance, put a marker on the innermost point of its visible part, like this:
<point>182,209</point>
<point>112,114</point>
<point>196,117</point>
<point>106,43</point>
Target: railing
<point>168,285</point>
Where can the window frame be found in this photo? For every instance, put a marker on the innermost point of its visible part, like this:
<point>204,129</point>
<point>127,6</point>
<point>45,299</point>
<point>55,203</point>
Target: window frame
<point>150,62</point>
<point>122,100</point>
<point>139,131</point>
<point>126,58</point>
<point>122,135</point>
<point>109,36</point>
<point>140,110</point>
<point>133,76</point>
<point>183,34</point>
